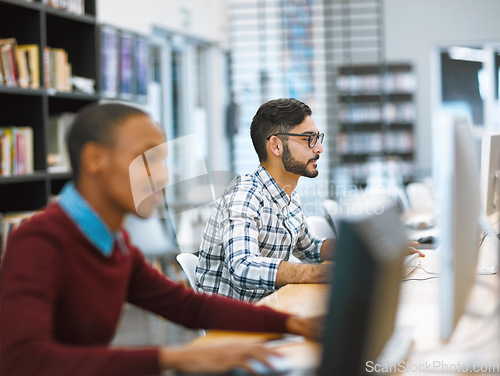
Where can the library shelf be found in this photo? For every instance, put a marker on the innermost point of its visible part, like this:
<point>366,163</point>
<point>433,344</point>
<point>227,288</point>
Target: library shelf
<point>37,24</point>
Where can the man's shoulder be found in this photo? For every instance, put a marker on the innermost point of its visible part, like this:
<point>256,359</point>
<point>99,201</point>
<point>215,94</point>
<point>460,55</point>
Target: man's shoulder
<point>244,183</point>
<point>49,222</point>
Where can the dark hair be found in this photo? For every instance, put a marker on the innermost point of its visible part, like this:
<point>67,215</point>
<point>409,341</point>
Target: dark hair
<point>95,123</point>
<point>275,116</point>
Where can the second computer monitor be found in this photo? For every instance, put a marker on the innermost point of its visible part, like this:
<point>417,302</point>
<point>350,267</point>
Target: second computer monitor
<point>458,216</point>
<point>490,176</point>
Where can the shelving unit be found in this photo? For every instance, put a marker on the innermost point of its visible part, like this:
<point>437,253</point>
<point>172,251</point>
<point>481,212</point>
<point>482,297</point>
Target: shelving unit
<point>375,115</point>
<point>36,23</point>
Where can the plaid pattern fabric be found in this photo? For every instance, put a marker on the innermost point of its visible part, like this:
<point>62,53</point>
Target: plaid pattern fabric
<point>253,226</point>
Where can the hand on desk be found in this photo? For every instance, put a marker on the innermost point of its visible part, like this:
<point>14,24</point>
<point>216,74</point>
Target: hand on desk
<point>215,358</point>
<point>309,327</point>
<point>412,249</point>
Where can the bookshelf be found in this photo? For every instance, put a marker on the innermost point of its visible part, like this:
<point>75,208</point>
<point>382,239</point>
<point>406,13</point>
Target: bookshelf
<point>375,117</point>
<point>58,25</point>
<point>124,64</point>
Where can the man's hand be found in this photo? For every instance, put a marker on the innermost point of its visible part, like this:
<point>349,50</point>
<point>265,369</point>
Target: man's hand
<point>214,358</point>
<point>310,327</point>
<point>412,249</point>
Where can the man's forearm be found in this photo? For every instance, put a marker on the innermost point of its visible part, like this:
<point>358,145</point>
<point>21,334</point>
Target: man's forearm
<point>302,273</point>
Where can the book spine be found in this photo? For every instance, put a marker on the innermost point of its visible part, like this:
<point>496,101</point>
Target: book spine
<point>47,69</point>
<point>13,149</point>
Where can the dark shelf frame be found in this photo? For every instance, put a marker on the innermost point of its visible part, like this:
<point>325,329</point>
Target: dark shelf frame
<point>35,23</point>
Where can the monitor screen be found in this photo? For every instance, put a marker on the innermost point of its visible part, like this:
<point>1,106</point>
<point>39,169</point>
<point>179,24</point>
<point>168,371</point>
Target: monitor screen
<point>365,289</point>
<point>490,176</point>
<point>458,216</point>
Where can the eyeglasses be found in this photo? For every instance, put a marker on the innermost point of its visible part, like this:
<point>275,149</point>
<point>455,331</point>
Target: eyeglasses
<point>312,138</point>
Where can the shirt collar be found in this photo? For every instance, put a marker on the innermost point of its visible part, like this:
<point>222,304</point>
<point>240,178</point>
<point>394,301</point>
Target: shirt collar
<point>277,193</point>
<point>87,220</point>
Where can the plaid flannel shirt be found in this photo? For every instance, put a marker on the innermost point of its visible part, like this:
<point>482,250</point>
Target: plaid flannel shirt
<point>253,227</point>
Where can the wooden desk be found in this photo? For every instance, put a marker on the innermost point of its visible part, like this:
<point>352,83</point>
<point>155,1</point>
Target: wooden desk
<point>419,306</point>
<point>301,299</point>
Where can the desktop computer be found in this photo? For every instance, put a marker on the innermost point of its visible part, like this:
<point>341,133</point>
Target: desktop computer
<point>365,290</point>
<point>490,179</point>
<point>458,216</point>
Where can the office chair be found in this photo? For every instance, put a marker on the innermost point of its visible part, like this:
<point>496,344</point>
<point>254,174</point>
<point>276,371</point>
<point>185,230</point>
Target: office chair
<point>319,227</point>
<point>419,195</point>
<point>331,210</point>
<point>188,263</point>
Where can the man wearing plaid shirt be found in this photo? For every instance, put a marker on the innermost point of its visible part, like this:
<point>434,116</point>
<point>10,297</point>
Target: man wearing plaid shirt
<point>258,222</point>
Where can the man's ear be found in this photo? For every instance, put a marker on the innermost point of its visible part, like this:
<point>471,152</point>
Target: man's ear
<point>93,158</point>
<point>275,146</point>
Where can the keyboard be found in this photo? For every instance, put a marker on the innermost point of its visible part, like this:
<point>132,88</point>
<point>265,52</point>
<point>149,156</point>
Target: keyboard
<point>410,263</point>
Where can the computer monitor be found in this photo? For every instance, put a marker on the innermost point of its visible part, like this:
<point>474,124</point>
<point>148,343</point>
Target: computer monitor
<point>458,216</point>
<point>490,177</point>
<point>365,289</point>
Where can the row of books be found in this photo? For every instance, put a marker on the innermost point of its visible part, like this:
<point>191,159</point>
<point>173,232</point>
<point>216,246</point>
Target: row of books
<point>375,142</point>
<point>19,64</point>
<point>16,151</point>
<point>358,173</point>
<point>72,6</point>
<point>393,112</point>
<point>57,70</point>
<point>124,64</point>
<point>397,82</point>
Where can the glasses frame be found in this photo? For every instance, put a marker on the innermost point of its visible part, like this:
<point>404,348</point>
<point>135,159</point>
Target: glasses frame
<point>309,137</point>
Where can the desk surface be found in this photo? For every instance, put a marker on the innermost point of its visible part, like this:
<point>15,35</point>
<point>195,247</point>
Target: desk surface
<point>419,306</point>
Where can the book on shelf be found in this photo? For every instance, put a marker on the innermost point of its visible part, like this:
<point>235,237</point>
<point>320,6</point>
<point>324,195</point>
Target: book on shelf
<point>126,65</point>
<point>57,69</point>
<point>109,61</point>
<point>10,222</point>
<point>10,73</point>
<point>57,157</point>
<point>19,64</point>
<point>141,54</point>
<point>28,60</point>
<point>16,151</point>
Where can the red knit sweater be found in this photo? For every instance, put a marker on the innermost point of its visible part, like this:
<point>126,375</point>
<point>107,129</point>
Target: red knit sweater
<point>61,299</point>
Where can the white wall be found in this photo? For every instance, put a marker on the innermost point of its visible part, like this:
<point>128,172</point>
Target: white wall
<point>205,19</point>
<point>414,28</point>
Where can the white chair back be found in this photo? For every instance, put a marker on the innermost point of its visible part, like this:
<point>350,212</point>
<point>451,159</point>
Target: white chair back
<point>331,209</point>
<point>319,227</point>
<point>188,262</point>
<point>419,195</point>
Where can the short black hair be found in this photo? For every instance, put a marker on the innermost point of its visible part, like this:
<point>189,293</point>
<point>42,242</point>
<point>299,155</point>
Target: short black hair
<point>276,116</point>
<point>95,123</point>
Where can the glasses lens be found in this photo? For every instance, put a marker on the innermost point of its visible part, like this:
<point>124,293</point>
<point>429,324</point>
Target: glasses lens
<point>313,139</point>
<point>321,137</point>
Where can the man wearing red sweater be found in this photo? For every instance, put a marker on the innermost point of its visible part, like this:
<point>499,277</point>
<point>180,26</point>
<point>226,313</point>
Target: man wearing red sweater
<point>68,271</point>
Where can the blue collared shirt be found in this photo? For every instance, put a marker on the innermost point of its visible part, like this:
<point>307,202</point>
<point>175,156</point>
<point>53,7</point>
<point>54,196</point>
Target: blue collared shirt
<point>88,221</point>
